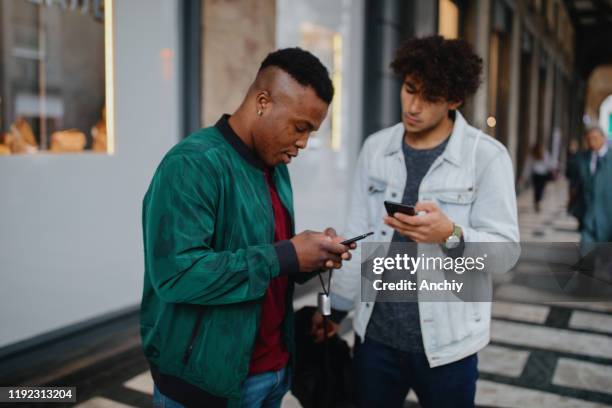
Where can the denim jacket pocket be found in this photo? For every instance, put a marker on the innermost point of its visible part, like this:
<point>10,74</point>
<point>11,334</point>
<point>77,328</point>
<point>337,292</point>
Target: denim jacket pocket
<point>452,195</point>
<point>376,186</point>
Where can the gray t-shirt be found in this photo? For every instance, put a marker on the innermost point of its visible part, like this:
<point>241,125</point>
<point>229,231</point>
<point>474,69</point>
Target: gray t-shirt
<point>396,324</point>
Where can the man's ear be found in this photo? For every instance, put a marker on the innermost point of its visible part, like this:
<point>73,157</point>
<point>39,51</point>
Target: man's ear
<point>454,105</point>
<point>262,99</point>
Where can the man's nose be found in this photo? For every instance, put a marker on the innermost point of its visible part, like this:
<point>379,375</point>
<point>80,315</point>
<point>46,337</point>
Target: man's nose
<point>413,104</point>
<point>302,142</point>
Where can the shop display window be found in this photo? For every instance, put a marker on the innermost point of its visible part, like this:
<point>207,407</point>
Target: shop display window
<point>56,77</point>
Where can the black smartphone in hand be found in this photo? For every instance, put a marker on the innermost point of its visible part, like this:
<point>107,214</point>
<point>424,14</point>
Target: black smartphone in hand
<point>355,239</point>
<point>393,208</point>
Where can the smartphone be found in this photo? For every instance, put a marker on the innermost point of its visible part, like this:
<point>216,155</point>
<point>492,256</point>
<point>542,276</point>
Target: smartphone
<point>355,239</point>
<point>393,208</point>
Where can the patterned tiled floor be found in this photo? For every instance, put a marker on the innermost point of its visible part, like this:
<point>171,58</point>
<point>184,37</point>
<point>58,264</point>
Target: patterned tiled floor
<point>541,355</point>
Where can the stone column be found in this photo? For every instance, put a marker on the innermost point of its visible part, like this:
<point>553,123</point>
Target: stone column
<point>549,91</point>
<point>534,86</point>
<point>481,46</point>
<point>514,92</point>
<point>383,35</point>
<point>236,37</point>
<point>425,17</point>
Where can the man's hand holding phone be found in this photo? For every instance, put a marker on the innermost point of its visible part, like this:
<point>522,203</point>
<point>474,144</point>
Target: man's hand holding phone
<point>345,256</point>
<point>321,250</point>
<point>431,227</point>
<point>317,320</point>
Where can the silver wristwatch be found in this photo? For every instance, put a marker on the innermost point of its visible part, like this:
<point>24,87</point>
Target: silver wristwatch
<point>454,239</point>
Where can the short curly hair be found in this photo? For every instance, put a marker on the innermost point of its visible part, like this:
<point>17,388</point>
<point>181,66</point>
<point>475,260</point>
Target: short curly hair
<point>444,69</point>
<point>305,68</point>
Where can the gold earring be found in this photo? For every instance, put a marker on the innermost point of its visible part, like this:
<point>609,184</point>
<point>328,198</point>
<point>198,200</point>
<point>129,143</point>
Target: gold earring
<point>259,112</point>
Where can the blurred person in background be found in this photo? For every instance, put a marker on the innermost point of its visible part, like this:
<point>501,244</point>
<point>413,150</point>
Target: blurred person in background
<point>593,180</point>
<point>541,171</point>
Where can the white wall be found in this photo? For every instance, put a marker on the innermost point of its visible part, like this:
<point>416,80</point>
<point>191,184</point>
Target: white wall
<point>70,236</point>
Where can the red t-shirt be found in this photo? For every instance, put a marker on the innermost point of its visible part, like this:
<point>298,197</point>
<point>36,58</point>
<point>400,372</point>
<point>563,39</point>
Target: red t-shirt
<point>270,353</point>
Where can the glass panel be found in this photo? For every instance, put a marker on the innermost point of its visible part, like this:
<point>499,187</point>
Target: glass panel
<point>52,80</point>
<point>331,30</point>
<point>327,46</point>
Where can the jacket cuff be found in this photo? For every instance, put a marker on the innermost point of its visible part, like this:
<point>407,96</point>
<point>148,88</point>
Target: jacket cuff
<point>287,258</point>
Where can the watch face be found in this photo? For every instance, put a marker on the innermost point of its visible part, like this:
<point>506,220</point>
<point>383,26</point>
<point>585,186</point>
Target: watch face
<point>452,241</point>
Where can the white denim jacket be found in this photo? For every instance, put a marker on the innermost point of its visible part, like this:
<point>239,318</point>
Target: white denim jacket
<point>472,182</point>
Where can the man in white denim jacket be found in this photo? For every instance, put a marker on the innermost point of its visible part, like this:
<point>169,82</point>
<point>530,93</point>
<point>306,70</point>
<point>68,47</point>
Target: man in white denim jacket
<point>467,193</point>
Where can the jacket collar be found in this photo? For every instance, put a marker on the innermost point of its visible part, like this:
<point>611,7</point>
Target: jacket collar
<point>454,149</point>
<point>236,142</point>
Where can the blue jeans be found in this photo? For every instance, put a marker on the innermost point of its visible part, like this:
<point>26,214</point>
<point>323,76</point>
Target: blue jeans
<point>264,390</point>
<point>384,376</point>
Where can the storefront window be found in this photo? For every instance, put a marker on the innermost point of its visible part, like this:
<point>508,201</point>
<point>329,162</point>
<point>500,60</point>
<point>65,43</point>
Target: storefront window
<point>448,19</point>
<point>54,76</point>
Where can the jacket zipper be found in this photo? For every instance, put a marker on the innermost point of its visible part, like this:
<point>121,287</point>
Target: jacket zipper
<point>192,339</point>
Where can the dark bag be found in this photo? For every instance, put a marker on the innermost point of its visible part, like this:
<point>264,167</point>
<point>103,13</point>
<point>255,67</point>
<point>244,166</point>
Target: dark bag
<point>323,371</point>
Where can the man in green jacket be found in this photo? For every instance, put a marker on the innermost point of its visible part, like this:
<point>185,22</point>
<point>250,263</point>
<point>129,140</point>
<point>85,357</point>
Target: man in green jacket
<point>221,256</point>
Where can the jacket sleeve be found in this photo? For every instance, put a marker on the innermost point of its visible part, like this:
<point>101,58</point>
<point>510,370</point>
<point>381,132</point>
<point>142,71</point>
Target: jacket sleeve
<point>346,281</point>
<point>303,277</point>
<point>493,216</point>
<point>178,226</point>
